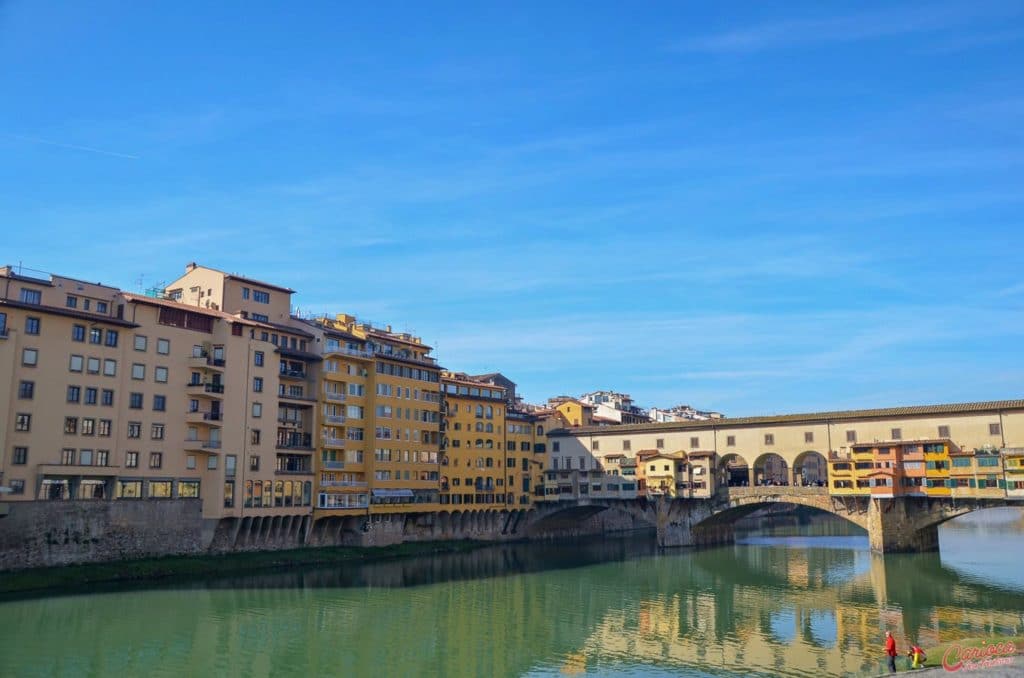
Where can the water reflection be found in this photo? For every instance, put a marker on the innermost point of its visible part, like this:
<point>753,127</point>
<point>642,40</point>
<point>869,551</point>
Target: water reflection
<point>612,606</point>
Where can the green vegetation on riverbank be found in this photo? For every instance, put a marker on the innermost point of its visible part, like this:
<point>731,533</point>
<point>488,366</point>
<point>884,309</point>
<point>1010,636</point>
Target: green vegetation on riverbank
<point>934,654</point>
<point>40,579</point>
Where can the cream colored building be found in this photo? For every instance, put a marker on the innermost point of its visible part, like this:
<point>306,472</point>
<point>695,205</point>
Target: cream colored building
<point>112,395</point>
<point>750,442</point>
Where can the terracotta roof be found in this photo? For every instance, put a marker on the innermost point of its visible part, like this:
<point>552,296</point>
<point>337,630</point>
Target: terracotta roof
<point>67,312</point>
<point>805,418</point>
<point>214,313</point>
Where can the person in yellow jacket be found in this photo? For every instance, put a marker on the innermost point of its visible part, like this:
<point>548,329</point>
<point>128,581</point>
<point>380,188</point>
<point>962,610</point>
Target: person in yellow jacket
<point>917,657</point>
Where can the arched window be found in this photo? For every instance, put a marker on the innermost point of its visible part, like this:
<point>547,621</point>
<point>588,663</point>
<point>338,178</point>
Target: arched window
<point>489,428</point>
<point>489,445</point>
<point>479,426</point>
<point>490,412</point>
<point>479,462</point>
<point>540,430</point>
<point>479,410</point>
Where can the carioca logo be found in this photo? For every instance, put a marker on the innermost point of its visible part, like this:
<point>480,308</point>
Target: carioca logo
<point>955,657</point>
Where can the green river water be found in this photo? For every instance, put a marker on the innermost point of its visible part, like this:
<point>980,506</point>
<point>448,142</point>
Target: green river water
<point>805,598</point>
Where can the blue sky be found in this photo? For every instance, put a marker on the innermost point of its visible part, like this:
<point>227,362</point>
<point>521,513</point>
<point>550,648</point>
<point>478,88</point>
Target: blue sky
<point>755,208</point>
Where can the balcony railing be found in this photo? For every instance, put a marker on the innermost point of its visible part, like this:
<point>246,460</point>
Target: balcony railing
<point>343,483</point>
<point>334,419</point>
<point>302,441</point>
<point>336,397</point>
<point>203,444</point>
<point>331,441</point>
<point>332,465</point>
<point>294,373</point>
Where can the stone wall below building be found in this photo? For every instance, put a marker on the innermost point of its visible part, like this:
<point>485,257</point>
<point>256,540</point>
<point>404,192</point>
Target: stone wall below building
<point>48,533</point>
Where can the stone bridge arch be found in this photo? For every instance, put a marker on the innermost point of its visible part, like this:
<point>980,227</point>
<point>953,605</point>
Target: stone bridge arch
<point>734,471</point>
<point>809,467</point>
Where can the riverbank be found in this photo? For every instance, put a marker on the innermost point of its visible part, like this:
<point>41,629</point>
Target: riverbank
<point>933,666</point>
<point>48,579</point>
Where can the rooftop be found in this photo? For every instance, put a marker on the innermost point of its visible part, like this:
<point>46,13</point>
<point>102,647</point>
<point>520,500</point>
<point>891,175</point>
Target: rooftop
<point>805,418</point>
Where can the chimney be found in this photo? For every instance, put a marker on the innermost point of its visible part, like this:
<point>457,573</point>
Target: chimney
<point>191,266</point>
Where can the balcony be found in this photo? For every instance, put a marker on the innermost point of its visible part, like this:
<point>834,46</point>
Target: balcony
<point>343,483</point>
<point>200,417</point>
<point>295,441</point>
<point>332,465</point>
<point>331,441</point>
<point>204,361</point>
<point>292,464</point>
<point>336,397</point>
<point>334,419</point>
<point>205,388</point>
<point>293,373</point>
<point>203,445</point>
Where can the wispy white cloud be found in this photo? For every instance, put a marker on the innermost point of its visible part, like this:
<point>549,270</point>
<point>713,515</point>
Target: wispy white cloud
<point>71,147</point>
<point>802,32</point>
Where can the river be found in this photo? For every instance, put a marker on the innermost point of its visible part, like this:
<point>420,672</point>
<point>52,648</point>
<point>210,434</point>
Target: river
<point>801,598</point>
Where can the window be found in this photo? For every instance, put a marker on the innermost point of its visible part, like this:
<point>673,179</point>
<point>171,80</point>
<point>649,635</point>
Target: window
<point>29,357</point>
<point>92,365</point>
<point>260,317</point>
<point>111,338</point>
<point>71,302</point>
<point>130,489</point>
<point>18,486</point>
<point>190,462</point>
<point>26,390</point>
<point>163,346</point>
<point>88,427</point>
<point>254,462</point>
<point>78,333</point>
<point>75,363</point>
<point>31,296</point>
<point>85,457</point>
<point>897,434</point>
<point>156,459</point>
<point>211,463</point>
<point>70,425</point>
<point>107,398</point>
<point>159,489</point>
<point>74,392</point>
<point>101,307</point>
<point>91,395</point>
<point>258,358</point>
<point>103,427</point>
<point>255,436</point>
<point>110,368</point>
<point>159,403</point>
<point>993,429</point>
<point>554,446</point>
<point>95,335</point>
<point>160,375</point>
<point>138,371</point>
<point>769,439</point>
<point>20,456</point>
<point>156,432</point>
<point>851,436</point>
<point>140,342</point>
<point>257,384</point>
<point>31,325</point>
<point>695,442</point>
<point>660,443</point>
<point>135,401</point>
<point>596,445</point>
<point>134,429</point>
<point>245,292</point>
<point>131,459</point>
<point>23,422</point>
<point>261,297</point>
<point>67,456</point>
<point>943,431</point>
<point>809,437</point>
<point>257,410</point>
<point>626,444</point>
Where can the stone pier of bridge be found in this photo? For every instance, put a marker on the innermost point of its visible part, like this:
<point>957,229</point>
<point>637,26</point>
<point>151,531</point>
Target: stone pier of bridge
<point>894,524</point>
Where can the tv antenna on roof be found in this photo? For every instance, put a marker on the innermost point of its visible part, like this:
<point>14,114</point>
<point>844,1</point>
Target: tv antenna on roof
<point>139,280</point>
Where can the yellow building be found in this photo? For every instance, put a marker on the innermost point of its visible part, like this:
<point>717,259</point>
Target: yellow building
<point>477,468</point>
<point>977,474</point>
<point>379,440</point>
<point>1013,465</point>
<point>841,476</point>
<point>571,412</point>
<point>937,465</point>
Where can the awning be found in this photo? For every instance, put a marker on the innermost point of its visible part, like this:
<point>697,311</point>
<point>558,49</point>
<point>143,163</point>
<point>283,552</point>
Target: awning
<point>392,493</point>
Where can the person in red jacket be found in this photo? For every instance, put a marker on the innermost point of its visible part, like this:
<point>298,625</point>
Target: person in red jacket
<point>890,649</point>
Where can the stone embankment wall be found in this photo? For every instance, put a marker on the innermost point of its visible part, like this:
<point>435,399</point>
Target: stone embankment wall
<point>42,534</point>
